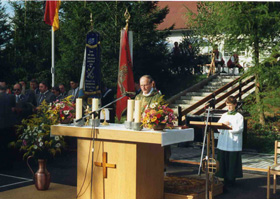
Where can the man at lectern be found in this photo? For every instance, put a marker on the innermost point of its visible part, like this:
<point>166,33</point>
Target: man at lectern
<point>230,144</point>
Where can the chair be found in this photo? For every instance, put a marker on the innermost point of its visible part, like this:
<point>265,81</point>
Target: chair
<point>273,170</point>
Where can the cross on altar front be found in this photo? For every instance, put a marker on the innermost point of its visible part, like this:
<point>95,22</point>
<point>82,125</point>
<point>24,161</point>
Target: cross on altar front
<point>104,164</point>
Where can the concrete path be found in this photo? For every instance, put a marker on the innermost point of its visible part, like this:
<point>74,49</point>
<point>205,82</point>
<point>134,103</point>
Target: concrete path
<point>251,161</point>
<point>251,186</point>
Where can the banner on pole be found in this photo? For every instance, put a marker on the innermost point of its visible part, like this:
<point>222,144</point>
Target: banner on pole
<point>125,74</point>
<point>90,83</point>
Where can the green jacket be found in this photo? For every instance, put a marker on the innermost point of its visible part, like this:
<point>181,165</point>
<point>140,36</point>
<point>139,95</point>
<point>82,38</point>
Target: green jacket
<point>147,100</point>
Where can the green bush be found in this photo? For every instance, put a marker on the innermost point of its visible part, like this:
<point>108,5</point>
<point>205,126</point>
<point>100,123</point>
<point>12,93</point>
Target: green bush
<point>261,139</point>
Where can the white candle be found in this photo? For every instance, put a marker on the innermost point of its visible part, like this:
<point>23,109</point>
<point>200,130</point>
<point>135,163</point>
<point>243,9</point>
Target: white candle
<point>130,107</point>
<point>95,105</point>
<point>137,111</point>
<point>79,108</point>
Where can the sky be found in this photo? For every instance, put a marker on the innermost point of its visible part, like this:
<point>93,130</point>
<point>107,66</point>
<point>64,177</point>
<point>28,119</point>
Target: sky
<point>9,9</point>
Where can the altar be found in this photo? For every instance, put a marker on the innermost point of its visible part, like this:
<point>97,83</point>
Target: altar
<point>126,164</point>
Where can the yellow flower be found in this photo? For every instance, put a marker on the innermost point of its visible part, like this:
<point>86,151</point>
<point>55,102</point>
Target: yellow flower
<point>154,119</point>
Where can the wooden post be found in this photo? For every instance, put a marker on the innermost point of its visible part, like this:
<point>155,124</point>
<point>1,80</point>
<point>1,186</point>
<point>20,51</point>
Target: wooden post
<point>179,115</point>
<point>240,91</point>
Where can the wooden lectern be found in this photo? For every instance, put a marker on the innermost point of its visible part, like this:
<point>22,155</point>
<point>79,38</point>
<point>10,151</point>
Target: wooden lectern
<point>126,165</point>
<point>210,136</point>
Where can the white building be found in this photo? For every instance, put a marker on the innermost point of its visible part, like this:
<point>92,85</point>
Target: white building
<point>177,16</point>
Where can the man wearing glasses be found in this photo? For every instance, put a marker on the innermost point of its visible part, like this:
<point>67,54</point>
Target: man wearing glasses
<point>148,94</point>
<point>23,108</point>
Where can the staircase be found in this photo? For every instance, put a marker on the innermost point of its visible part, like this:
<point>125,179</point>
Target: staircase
<point>217,86</point>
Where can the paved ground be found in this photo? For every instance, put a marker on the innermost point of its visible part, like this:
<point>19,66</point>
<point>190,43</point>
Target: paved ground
<point>251,186</point>
<point>63,171</point>
<point>250,160</point>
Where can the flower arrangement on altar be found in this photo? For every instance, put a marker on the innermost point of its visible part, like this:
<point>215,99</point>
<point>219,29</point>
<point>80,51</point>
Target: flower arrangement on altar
<point>158,114</point>
<point>34,137</point>
<point>64,110</point>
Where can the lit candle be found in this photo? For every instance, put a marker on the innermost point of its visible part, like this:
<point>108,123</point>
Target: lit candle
<point>137,111</point>
<point>79,108</point>
<point>95,105</point>
<point>130,107</point>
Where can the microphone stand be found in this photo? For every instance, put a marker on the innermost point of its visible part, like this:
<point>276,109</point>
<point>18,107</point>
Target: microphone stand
<point>202,152</point>
<point>124,95</point>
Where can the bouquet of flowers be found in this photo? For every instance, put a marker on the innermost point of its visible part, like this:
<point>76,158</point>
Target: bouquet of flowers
<point>64,110</point>
<point>157,114</point>
<point>33,135</point>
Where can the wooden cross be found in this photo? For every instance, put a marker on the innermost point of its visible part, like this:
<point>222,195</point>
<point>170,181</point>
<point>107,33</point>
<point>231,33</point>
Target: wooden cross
<point>104,164</point>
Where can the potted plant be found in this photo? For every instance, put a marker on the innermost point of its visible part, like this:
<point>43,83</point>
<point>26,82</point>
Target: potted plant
<point>158,116</point>
<point>35,140</point>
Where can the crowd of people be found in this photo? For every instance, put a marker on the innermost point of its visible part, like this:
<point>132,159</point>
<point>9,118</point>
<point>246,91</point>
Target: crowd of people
<point>19,101</point>
<point>26,100</point>
<point>184,60</point>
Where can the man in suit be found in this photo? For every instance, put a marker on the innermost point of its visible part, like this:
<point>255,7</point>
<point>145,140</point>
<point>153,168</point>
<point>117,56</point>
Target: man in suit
<point>45,94</point>
<point>7,102</point>
<point>32,92</point>
<point>74,90</point>
<point>56,91</point>
<point>23,86</point>
<point>34,86</point>
<point>62,90</point>
<point>23,107</point>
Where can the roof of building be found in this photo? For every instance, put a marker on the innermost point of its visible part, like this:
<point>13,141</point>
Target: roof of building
<point>177,13</point>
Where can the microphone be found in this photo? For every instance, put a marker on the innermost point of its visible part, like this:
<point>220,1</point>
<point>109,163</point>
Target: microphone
<point>129,94</point>
<point>210,103</point>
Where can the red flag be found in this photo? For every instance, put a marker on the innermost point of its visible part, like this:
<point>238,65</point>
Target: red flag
<point>125,75</point>
<point>51,14</point>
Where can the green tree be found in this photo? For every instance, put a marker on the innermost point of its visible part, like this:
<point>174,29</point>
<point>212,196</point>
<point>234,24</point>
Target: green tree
<point>244,25</point>
<point>150,54</point>
<point>30,50</point>
<point>5,35</point>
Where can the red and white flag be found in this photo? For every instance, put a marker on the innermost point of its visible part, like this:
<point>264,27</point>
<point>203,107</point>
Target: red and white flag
<point>125,74</point>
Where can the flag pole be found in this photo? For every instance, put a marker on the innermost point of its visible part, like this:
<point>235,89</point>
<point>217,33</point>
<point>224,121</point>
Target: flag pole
<point>130,34</point>
<point>52,68</point>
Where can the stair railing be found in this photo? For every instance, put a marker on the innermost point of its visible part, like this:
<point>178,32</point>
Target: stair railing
<point>212,96</point>
<point>191,89</point>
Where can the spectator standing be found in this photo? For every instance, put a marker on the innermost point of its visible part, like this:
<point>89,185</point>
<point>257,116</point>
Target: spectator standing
<point>62,90</point>
<point>4,84</point>
<point>56,91</point>
<point>23,108</point>
<point>7,102</point>
<point>34,86</point>
<point>23,86</point>
<point>45,94</point>
<point>32,92</point>
<point>74,90</point>
<point>219,61</point>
